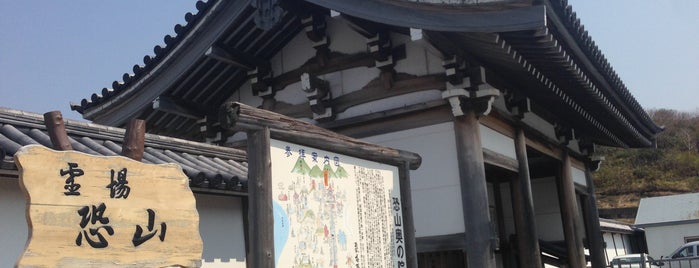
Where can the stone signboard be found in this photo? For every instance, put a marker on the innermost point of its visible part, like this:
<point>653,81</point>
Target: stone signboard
<point>95,211</point>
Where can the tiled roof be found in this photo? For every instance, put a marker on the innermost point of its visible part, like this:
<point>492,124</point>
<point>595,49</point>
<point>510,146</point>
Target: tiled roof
<point>559,64</point>
<point>207,166</point>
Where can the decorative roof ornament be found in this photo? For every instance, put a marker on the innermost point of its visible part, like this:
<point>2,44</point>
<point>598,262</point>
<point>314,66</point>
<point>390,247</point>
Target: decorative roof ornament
<point>268,13</point>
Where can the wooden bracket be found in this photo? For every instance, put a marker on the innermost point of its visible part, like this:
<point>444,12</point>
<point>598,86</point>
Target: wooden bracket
<point>232,57</point>
<point>596,163</point>
<point>57,131</point>
<point>267,14</point>
<point>315,27</point>
<point>564,134</point>
<point>171,106</point>
<point>210,129</point>
<point>517,104</point>
<point>587,147</point>
<point>381,48</point>
<point>480,101</point>
<point>455,71</point>
<point>261,81</point>
<point>319,96</point>
<point>466,88</point>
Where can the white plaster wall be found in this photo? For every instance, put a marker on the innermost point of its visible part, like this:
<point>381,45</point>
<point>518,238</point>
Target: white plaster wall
<point>13,224</point>
<point>435,185</point>
<point>221,227</point>
<point>578,176</point>
<point>295,53</point>
<point>419,61</point>
<point>244,95</point>
<point>343,39</point>
<point>662,240</point>
<point>497,142</point>
<point>549,226</point>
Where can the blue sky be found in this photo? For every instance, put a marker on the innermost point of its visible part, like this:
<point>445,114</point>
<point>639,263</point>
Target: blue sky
<point>55,52</point>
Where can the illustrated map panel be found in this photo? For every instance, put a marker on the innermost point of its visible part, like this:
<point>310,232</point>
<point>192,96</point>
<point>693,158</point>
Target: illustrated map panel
<point>332,210</point>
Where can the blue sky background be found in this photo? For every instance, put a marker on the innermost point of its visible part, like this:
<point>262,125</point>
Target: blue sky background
<point>55,52</point>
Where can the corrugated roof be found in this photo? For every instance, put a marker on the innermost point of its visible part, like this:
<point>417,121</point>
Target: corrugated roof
<point>207,166</point>
<point>668,209</point>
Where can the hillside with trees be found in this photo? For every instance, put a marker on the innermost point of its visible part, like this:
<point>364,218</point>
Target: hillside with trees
<point>627,175</point>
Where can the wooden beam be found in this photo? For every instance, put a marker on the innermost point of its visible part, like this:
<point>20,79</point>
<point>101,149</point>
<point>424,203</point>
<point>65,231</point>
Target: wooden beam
<point>336,62</point>
<point>234,115</point>
<point>474,192</point>
<point>231,57</point>
<point>523,208</point>
<point>167,105</point>
<point>441,242</point>
<point>57,131</point>
<point>375,90</point>
<point>499,160</point>
<point>134,139</point>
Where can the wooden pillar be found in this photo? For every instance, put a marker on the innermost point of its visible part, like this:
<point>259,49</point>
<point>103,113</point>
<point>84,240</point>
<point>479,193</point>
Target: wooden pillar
<point>523,208</point>
<point>407,208</point>
<point>594,233</point>
<point>569,212</point>
<point>260,199</point>
<point>506,247</point>
<point>57,131</point>
<point>474,191</point>
<point>134,139</point>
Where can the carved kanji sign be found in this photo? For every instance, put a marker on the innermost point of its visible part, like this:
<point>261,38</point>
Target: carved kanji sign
<point>95,211</point>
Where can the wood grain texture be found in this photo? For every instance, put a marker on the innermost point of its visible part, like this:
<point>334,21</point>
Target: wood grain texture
<point>55,223</point>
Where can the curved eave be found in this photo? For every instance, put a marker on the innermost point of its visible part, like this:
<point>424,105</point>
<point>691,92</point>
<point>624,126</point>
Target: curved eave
<point>571,31</point>
<point>452,19</point>
<point>130,100</point>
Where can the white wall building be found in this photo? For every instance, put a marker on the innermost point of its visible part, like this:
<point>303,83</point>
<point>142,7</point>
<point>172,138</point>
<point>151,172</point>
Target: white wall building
<point>669,221</point>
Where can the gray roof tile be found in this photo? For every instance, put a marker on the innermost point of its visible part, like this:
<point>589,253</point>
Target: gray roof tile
<point>207,166</point>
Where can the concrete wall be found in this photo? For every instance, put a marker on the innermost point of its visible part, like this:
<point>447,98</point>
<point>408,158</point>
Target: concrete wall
<point>662,240</point>
<point>221,227</point>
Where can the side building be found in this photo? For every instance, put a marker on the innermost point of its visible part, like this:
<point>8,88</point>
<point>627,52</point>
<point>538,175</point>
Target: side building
<point>670,222</point>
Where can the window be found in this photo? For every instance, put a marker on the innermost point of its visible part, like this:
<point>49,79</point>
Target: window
<point>687,251</point>
<point>688,239</point>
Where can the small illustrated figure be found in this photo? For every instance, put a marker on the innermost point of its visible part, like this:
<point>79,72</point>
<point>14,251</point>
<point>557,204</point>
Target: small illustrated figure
<point>139,238</point>
<point>72,172</point>
<point>93,216</point>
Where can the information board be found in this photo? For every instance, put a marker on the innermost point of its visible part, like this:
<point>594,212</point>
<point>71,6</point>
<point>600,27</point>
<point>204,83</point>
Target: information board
<point>333,210</point>
<point>95,211</point>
